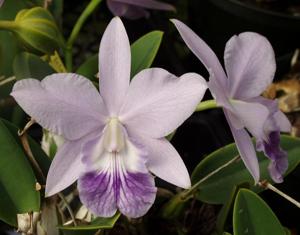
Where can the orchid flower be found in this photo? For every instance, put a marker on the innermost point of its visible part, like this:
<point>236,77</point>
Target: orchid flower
<point>134,9</point>
<point>250,67</point>
<point>113,140</point>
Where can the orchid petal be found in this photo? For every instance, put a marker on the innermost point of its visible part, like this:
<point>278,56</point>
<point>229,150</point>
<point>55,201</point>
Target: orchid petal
<point>114,65</point>
<point>250,65</point>
<point>150,4</point>
<point>282,121</point>
<point>158,102</point>
<point>218,91</point>
<point>246,149</point>
<point>252,116</point>
<point>126,10</point>
<point>116,180</point>
<point>164,161</point>
<point>203,52</point>
<point>66,104</point>
<point>65,168</point>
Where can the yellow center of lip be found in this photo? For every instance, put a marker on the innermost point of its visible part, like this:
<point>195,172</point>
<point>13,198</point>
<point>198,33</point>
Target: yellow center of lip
<point>113,139</point>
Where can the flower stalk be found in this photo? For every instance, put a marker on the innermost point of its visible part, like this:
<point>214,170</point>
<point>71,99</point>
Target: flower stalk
<point>186,194</point>
<point>266,185</point>
<point>8,25</point>
<point>76,29</point>
<point>205,105</point>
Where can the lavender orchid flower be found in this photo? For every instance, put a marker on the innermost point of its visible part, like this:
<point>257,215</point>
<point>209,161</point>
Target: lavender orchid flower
<point>113,140</point>
<point>250,67</point>
<point>134,9</point>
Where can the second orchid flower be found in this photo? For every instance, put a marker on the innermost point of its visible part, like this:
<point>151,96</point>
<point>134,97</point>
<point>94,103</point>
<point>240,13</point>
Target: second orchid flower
<point>250,67</point>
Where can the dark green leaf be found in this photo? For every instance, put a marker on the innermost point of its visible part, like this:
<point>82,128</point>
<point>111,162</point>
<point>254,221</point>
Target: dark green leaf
<point>28,65</point>
<point>8,49</point>
<point>17,180</point>
<point>224,212</point>
<point>236,173</point>
<point>144,50</point>
<point>174,207</point>
<point>251,215</point>
<point>8,43</point>
<point>89,68</point>
<point>98,223</point>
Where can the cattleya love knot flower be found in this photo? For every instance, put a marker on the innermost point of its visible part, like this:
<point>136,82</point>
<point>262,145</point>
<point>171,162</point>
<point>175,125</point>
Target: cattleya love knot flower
<point>113,140</point>
<point>134,9</point>
<point>250,67</point>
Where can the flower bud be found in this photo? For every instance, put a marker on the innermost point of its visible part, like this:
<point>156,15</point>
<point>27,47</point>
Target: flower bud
<point>37,31</point>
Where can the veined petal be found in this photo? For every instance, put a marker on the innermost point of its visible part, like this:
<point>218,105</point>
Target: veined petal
<point>252,116</point>
<point>116,180</point>
<point>66,104</point>
<point>203,52</point>
<point>126,10</point>
<point>150,4</point>
<point>114,65</point>
<point>65,167</point>
<point>158,102</point>
<point>278,157</point>
<point>250,65</point>
<point>246,149</point>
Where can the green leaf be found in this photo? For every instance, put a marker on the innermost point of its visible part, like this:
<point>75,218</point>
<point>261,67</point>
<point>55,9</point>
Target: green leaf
<point>89,68</point>
<point>8,49</point>
<point>251,215</point>
<point>28,65</point>
<point>224,212</point>
<point>17,180</point>
<point>98,223</point>
<point>236,174</point>
<point>144,50</point>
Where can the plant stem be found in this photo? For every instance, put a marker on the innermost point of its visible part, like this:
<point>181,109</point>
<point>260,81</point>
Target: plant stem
<point>76,29</point>
<point>8,25</point>
<point>24,140</point>
<point>266,185</point>
<point>62,197</point>
<point>191,190</point>
<point>205,105</point>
